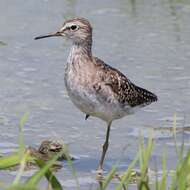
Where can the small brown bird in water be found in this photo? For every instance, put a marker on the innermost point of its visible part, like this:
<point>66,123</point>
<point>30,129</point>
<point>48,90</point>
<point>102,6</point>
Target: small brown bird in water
<point>94,87</point>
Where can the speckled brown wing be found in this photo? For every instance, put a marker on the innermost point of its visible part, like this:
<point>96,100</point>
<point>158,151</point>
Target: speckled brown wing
<point>125,91</point>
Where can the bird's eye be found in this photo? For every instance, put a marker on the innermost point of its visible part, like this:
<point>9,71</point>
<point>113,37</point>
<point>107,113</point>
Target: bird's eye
<point>73,27</point>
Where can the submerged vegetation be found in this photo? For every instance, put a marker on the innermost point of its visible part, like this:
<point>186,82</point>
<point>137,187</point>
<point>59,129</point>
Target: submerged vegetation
<point>2,43</point>
<point>178,179</point>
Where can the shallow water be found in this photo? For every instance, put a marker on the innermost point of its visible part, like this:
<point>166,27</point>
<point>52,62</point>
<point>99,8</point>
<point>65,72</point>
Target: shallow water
<point>148,40</point>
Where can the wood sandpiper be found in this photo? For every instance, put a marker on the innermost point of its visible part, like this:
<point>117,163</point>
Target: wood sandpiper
<point>94,87</point>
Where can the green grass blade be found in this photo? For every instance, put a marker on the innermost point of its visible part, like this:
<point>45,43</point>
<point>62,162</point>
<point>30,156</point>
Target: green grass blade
<point>70,164</point>
<point>162,185</point>
<point>2,43</point>
<point>144,157</point>
<point>9,161</point>
<point>22,153</point>
<point>22,123</point>
<point>125,180</point>
<point>44,171</point>
<point>23,162</point>
<point>174,134</point>
<point>108,178</point>
<point>21,187</point>
<point>49,176</point>
<point>184,171</point>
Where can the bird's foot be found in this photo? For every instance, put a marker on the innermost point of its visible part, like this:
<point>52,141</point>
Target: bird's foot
<point>99,174</point>
<point>99,171</point>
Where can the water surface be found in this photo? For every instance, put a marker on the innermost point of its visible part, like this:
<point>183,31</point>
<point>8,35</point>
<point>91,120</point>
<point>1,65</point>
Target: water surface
<point>147,40</point>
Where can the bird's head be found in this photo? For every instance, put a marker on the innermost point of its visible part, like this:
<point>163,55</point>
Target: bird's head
<point>78,30</point>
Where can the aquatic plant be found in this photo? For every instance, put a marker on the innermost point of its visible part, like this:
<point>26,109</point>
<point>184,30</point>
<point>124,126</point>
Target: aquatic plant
<point>2,43</point>
<point>176,180</point>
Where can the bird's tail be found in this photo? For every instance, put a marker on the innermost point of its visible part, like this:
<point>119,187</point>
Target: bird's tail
<point>146,96</point>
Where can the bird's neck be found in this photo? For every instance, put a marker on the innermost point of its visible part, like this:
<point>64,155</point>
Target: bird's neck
<point>80,51</point>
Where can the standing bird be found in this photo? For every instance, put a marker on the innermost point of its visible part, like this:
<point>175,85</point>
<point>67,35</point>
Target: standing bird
<point>94,87</point>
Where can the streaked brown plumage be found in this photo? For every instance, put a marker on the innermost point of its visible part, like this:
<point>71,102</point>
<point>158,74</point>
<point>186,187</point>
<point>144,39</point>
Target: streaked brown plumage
<point>125,91</point>
<point>94,87</point>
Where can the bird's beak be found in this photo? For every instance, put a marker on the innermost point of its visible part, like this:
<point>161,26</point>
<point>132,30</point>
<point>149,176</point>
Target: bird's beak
<point>49,35</point>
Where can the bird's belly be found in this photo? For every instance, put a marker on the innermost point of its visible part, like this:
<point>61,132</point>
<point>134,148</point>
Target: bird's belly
<point>87,101</point>
<point>79,95</point>
<point>81,100</point>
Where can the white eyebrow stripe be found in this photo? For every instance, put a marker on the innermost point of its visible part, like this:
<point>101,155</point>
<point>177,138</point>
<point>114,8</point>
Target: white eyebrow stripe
<point>68,25</point>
